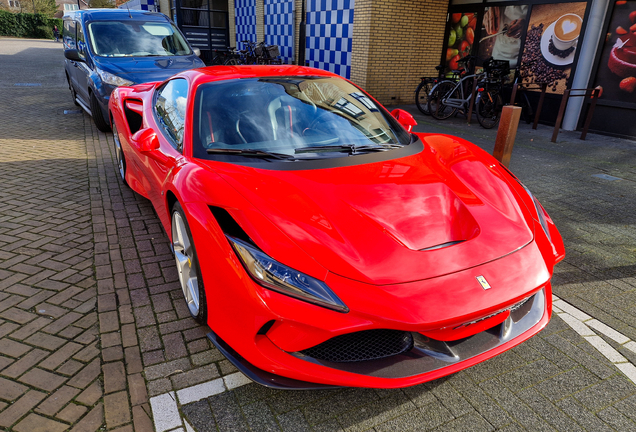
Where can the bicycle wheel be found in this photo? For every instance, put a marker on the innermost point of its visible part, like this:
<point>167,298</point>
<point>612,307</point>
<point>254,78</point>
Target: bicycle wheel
<point>421,96</point>
<point>488,109</point>
<point>231,62</point>
<point>436,106</point>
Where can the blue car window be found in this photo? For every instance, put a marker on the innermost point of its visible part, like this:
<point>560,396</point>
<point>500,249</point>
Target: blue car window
<point>136,39</point>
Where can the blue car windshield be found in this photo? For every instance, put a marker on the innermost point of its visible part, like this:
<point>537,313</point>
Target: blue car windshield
<point>136,39</point>
<point>290,115</point>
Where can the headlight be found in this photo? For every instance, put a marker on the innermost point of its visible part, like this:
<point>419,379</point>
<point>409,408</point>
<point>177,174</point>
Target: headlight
<point>111,79</point>
<point>277,277</point>
<point>540,212</point>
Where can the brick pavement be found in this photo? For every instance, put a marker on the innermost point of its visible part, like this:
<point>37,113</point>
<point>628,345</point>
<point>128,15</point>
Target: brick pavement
<point>80,246</point>
<point>50,366</point>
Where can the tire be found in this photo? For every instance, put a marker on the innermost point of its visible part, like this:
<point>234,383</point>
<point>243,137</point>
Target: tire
<point>188,265</point>
<point>421,96</point>
<point>435,105</point>
<point>488,109</point>
<point>73,92</point>
<point>231,62</point>
<point>119,153</point>
<point>98,116</point>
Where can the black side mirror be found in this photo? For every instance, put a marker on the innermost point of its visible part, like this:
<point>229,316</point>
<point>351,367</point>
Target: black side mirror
<point>73,54</point>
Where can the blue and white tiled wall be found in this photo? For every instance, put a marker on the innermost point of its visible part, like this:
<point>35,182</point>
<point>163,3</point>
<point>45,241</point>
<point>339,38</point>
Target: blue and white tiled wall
<point>329,35</point>
<point>245,17</point>
<point>279,27</point>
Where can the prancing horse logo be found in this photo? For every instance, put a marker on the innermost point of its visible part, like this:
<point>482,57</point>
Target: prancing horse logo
<point>483,282</point>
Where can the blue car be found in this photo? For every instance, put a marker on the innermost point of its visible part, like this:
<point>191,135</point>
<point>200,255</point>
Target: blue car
<point>108,48</point>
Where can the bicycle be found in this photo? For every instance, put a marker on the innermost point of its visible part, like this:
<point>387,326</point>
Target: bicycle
<point>449,96</point>
<point>489,102</point>
<point>424,89</point>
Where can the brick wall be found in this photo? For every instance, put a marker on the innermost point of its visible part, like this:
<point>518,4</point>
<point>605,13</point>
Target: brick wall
<point>405,41</point>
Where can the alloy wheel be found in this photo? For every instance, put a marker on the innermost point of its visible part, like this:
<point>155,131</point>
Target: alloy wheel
<point>184,257</point>
<point>121,164</point>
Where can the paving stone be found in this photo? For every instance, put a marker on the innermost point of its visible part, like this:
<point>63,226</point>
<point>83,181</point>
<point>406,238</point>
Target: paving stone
<point>426,418</point>
<point>91,395</point>
<point>25,363</point>
<point>57,400</point>
<point>86,376</point>
<point>11,348</point>
<point>141,419</point>
<point>71,367</point>
<point>42,379</point>
<point>23,405</point>
<point>227,413</point>
<point>116,409</point>
<point>112,354</point>
<point>71,412</point>
<point>10,391</point>
<point>200,416</point>
<point>36,423</point>
<point>45,341</point>
<point>114,377</point>
<point>92,421</point>
<point>137,389</point>
<point>605,393</point>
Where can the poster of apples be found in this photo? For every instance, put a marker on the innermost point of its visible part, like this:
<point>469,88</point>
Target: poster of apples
<point>461,37</point>
<point>617,68</point>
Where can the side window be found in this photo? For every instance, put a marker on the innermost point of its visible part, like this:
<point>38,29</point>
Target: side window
<point>170,107</point>
<point>81,43</point>
<point>68,34</point>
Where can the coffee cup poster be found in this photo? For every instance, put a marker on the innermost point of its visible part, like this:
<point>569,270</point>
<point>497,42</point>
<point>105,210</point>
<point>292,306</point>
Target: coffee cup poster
<point>617,68</point>
<point>552,38</point>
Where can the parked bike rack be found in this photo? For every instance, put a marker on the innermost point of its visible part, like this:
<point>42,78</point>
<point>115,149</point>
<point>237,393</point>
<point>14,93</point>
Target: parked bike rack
<point>589,92</point>
<point>543,87</point>
<point>471,104</point>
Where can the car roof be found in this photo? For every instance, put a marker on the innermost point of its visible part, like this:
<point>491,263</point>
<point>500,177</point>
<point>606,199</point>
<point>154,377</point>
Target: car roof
<point>115,14</point>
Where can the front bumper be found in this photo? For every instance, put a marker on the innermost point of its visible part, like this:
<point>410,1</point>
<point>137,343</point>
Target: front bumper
<point>426,360</point>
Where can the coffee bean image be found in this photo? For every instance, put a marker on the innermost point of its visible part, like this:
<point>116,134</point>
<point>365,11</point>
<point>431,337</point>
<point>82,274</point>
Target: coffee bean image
<point>534,68</point>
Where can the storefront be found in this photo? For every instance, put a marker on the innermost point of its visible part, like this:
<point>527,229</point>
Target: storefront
<point>386,45</point>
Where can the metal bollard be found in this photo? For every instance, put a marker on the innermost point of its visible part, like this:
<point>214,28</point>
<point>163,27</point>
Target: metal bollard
<point>506,133</point>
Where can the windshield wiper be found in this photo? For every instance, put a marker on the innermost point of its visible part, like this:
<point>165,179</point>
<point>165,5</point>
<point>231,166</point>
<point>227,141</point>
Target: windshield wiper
<point>251,153</point>
<point>349,148</point>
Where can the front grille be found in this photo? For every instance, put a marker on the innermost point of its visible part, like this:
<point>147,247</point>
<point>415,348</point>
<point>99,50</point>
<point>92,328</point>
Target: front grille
<point>360,346</point>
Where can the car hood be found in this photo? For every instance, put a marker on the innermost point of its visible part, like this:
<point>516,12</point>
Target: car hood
<point>439,211</point>
<point>147,69</point>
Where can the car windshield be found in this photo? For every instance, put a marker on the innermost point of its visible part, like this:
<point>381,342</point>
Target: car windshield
<point>136,39</point>
<point>304,116</point>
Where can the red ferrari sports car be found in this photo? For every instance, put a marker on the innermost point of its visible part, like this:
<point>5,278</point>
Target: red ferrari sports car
<point>323,242</point>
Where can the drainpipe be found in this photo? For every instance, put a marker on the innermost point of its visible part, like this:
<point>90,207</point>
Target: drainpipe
<point>595,21</point>
<point>302,35</point>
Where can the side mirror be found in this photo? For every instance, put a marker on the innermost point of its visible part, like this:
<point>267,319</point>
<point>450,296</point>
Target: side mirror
<point>73,54</point>
<point>146,139</point>
<point>197,52</point>
<point>404,118</point>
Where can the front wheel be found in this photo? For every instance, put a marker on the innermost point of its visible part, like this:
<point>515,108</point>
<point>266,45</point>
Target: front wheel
<point>119,153</point>
<point>488,109</point>
<point>73,92</point>
<point>188,265</point>
<point>421,96</point>
<point>98,116</point>
<point>436,106</point>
